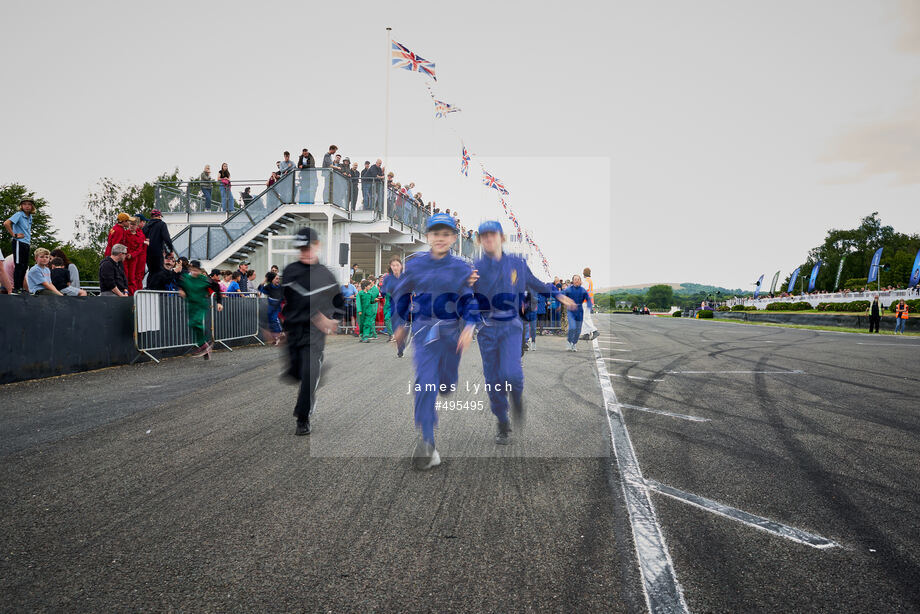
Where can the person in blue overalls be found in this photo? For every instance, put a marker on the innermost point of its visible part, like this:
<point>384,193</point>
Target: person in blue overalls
<point>442,302</point>
<point>501,280</point>
<point>390,280</point>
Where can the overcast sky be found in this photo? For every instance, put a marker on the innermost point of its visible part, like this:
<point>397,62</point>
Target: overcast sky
<point>670,141</point>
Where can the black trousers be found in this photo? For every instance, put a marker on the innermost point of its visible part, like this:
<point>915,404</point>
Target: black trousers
<point>873,323</point>
<point>21,261</point>
<point>305,363</point>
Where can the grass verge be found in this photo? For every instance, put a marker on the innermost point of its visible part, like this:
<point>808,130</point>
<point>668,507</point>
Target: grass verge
<point>841,329</point>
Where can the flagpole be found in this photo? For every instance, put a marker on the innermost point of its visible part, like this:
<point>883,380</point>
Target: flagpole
<point>386,134</point>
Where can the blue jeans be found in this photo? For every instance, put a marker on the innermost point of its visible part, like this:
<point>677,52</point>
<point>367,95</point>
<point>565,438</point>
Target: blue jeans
<point>206,194</point>
<point>574,326</point>
<point>899,325</point>
<point>531,325</point>
<point>226,199</point>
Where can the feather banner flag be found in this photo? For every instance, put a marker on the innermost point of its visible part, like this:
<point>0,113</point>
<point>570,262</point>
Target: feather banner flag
<point>403,58</point>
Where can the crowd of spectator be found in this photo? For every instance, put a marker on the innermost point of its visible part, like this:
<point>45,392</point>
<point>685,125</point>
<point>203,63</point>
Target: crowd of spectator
<point>362,182</point>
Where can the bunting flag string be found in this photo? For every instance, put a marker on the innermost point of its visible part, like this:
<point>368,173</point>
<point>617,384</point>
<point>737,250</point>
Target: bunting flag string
<point>465,161</point>
<point>441,108</point>
<point>403,58</point>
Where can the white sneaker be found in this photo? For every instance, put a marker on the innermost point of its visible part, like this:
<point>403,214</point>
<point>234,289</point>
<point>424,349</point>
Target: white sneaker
<point>435,460</point>
<point>425,456</point>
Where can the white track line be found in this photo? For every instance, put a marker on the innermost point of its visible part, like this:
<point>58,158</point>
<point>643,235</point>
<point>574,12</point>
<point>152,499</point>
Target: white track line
<point>645,379</point>
<point>618,342</point>
<point>903,345</point>
<point>659,581</point>
<point>618,359</point>
<point>664,413</point>
<point>757,522</point>
<point>796,372</point>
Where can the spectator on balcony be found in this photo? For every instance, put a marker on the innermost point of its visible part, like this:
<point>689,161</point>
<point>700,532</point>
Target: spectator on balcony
<point>286,165</point>
<point>327,158</point>
<point>337,161</point>
<point>118,233</point>
<point>60,278</point>
<point>365,185</point>
<point>206,184</point>
<point>39,276</point>
<point>374,175</point>
<point>226,196</point>
<point>246,196</point>
<point>410,189</point>
<point>272,180</point>
<point>159,242</point>
<point>112,280</point>
<point>306,160</point>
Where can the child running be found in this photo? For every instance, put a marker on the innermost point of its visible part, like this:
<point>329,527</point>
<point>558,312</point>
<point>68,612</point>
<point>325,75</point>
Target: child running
<point>194,286</point>
<point>443,300</point>
<point>390,280</point>
<point>578,295</point>
<point>502,279</point>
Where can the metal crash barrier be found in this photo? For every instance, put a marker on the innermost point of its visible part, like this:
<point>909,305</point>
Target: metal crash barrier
<point>238,319</point>
<point>161,320</point>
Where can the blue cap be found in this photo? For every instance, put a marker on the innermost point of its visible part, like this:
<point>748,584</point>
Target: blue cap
<point>441,219</point>
<point>491,226</point>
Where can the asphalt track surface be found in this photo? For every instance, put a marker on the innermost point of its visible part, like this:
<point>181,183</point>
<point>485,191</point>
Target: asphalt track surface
<point>181,486</point>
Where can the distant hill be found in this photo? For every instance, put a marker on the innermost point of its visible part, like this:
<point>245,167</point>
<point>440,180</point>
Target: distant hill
<point>685,287</point>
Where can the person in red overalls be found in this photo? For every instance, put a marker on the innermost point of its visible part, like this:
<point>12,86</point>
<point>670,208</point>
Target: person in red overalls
<point>117,234</point>
<point>134,241</point>
<point>142,257</point>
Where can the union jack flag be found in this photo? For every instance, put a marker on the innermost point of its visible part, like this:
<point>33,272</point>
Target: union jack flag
<point>441,108</point>
<point>403,58</point>
<point>490,181</point>
<point>465,162</point>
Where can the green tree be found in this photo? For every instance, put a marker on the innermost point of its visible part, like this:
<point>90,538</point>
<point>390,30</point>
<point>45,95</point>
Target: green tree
<point>108,200</point>
<point>660,296</point>
<point>43,233</point>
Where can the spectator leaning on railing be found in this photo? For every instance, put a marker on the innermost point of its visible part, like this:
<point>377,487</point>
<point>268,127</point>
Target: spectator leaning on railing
<point>112,279</point>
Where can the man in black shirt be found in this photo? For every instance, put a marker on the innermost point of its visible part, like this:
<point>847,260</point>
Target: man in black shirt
<point>312,299</point>
<point>112,279</point>
<point>159,241</point>
<point>167,278</point>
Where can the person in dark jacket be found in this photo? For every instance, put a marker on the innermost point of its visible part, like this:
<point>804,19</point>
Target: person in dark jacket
<point>112,278</point>
<point>312,298</point>
<point>875,315</point>
<point>306,160</point>
<point>157,234</point>
<point>167,278</point>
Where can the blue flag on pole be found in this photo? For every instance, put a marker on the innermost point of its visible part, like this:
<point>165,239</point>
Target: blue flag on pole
<point>757,289</point>
<point>915,272</point>
<point>873,268</point>
<point>814,276</point>
<point>792,279</point>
